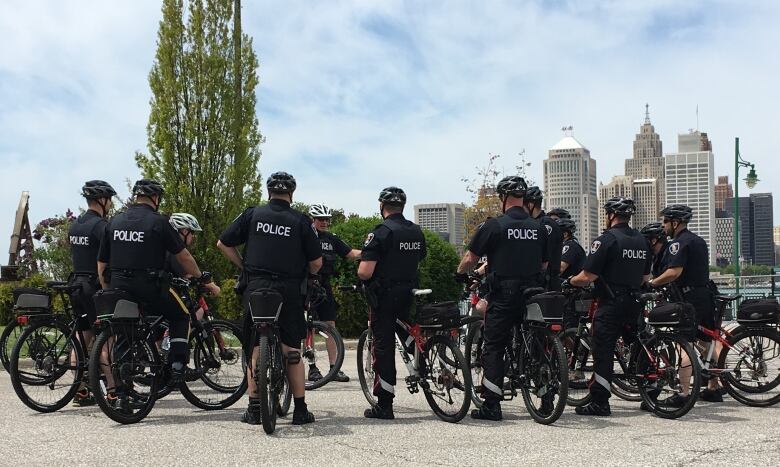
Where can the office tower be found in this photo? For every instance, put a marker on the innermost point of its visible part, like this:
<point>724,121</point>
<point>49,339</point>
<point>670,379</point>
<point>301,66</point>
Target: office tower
<point>444,218</point>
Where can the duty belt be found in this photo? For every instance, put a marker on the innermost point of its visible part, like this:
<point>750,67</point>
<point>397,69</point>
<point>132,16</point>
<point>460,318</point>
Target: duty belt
<point>691,288</point>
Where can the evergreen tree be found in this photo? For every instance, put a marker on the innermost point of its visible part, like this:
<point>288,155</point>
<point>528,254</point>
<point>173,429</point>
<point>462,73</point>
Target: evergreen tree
<point>203,133</point>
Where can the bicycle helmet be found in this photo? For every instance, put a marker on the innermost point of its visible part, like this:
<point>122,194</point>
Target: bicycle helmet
<point>512,185</point>
<point>560,213</point>
<point>281,182</point>
<point>319,210</point>
<point>679,212</point>
<point>623,207</point>
<point>653,230</point>
<point>392,195</point>
<point>97,189</point>
<point>148,187</point>
<point>183,220</point>
<point>534,194</point>
<point>567,225</point>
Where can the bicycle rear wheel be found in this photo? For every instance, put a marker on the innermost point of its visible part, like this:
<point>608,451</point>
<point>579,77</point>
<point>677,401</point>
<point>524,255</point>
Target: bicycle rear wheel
<point>285,399</point>
<point>473,352</point>
<point>545,375</point>
<point>665,365</point>
<point>8,339</point>
<point>317,353</point>
<point>217,358</point>
<point>751,367</point>
<point>43,373</point>
<point>365,366</point>
<point>447,386</point>
<point>267,374</point>
<point>124,373</point>
<point>623,383</point>
<point>579,357</point>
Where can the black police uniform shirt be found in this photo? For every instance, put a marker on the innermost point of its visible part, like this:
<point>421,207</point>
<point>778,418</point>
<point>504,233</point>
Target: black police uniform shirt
<point>138,239</point>
<point>398,246</point>
<point>332,248</point>
<point>620,257</point>
<point>278,240</point>
<point>689,251</point>
<point>173,266</point>
<point>85,235</point>
<point>515,245</point>
<point>574,255</point>
<point>554,241</point>
<point>659,260</point>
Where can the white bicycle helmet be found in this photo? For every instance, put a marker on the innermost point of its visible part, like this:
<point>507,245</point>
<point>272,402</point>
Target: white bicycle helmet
<point>319,210</point>
<point>182,220</point>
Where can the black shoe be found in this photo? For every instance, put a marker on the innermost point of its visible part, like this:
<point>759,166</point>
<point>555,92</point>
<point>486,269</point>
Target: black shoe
<point>710,395</point>
<point>341,377</point>
<point>251,416</point>
<point>302,417</point>
<point>314,374</point>
<point>547,405</point>
<point>594,408</point>
<point>379,413</point>
<point>723,391</point>
<point>183,374</point>
<point>676,401</point>
<point>83,399</point>
<point>488,412</point>
<point>645,406</point>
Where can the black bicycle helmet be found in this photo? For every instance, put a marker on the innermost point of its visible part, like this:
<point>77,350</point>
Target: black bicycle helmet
<point>392,195</point>
<point>148,187</point>
<point>567,225</point>
<point>623,207</point>
<point>560,213</point>
<point>97,189</point>
<point>534,194</point>
<point>512,186</point>
<point>679,212</point>
<point>281,182</point>
<point>653,230</point>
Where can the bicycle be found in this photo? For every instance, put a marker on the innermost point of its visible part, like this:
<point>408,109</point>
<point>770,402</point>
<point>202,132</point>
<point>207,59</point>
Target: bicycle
<point>128,372</point>
<point>435,365</point>
<point>48,361</point>
<point>29,304</point>
<point>535,360</point>
<point>319,333</point>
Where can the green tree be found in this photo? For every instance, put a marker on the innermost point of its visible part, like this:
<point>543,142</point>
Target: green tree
<point>53,252</point>
<point>203,133</point>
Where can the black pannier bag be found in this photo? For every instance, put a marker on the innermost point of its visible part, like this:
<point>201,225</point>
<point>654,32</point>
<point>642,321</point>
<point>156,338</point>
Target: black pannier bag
<point>550,307</point>
<point>444,314</point>
<point>678,314</point>
<point>116,304</point>
<point>30,300</point>
<point>265,304</point>
<point>759,311</point>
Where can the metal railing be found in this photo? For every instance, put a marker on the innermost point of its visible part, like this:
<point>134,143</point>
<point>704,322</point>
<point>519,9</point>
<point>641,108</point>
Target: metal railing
<point>749,287</point>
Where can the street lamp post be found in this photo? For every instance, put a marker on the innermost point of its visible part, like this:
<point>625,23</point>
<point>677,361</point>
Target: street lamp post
<point>750,181</point>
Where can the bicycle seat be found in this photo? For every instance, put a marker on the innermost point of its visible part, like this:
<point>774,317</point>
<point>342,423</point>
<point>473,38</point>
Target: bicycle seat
<point>647,296</point>
<point>66,288</point>
<point>531,291</point>
<point>727,298</point>
<point>418,292</point>
<point>53,284</point>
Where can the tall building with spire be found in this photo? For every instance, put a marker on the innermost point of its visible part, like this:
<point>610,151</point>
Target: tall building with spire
<point>646,170</point>
<point>723,191</point>
<point>570,183</point>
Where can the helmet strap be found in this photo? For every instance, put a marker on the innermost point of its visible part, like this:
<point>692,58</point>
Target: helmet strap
<point>103,203</point>
<point>503,202</point>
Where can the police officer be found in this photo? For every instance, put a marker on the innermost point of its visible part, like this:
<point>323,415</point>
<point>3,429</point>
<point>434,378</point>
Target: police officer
<point>333,248</point>
<point>517,250</point>
<point>559,213</point>
<point>620,262</point>
<point>572,261</point>
<point>687,267</point>
<point>533,203</point>
<point>281,251</point>
<point>85,235</point>
<point>391,254</point>
<point>134,252</point>
<point>659,242</point>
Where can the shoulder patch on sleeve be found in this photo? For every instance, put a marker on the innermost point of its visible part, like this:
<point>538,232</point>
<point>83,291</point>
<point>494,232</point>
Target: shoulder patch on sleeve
<point>565,249</point>
<point>674,248</point>
<point>369,237</point>
<point>595,246</point>
<point>549,228</point>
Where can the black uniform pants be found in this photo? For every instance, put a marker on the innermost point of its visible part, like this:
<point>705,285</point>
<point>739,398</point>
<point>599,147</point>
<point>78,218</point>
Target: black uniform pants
<point>703,301</point>
<point>614,318</point>
<point>506,308</point>
<point>81,299</point>
<point>394,303</point>
<point>327,310</point>
<point>292,320</point>
<point>156,299</point>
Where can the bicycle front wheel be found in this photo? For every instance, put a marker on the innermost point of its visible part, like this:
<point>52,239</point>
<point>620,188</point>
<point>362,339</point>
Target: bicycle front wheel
<point>474,348</point>
<point>285,399</point>
<point>545,375</point>
<point>321,335</point>
<point>447,383</point>
<point>267,374</point>
<point>579,357</point>
<point>10,335</point>
<point>666,366</point>
<point>365,366</point>
<point>623,383</point>
<point>751,367</point>
<point>47,366</point>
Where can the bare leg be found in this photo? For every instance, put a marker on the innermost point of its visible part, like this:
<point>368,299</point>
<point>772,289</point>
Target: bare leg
<point>295,374</point>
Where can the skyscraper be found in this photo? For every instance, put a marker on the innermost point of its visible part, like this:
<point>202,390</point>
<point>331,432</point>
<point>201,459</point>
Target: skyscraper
<point>723,191</point>
<point>570,183</point>
<point>620,186</point>
<point>646,170</point>
<point>443,218</point>
<point>755,221</point>
<point>690,180</point>
<point>724,240</point>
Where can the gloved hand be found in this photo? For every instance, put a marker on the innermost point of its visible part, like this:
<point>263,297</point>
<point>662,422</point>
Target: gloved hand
<point>566,284</point>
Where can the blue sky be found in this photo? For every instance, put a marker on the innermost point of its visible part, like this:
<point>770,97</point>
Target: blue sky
<point>358,95</point>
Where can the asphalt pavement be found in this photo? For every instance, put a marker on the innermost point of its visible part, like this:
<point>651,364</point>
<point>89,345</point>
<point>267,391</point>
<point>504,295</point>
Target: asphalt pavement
<point>175,433</point>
